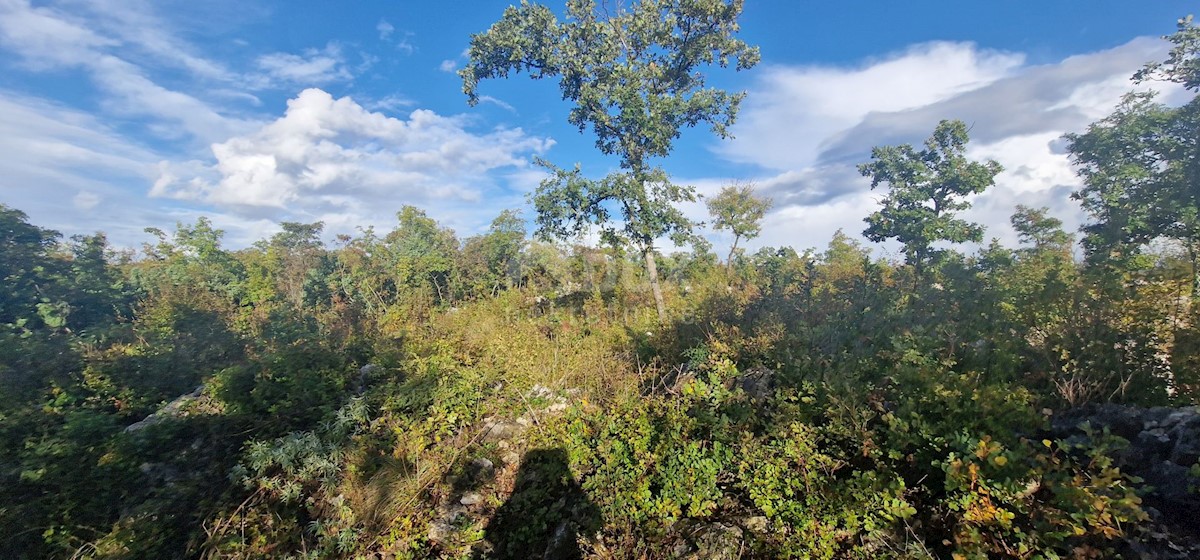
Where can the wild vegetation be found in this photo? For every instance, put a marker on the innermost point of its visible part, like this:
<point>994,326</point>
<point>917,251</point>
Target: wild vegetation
<point>411,394</point>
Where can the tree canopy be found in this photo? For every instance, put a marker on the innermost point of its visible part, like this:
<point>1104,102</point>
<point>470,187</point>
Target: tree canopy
<point>633,75</point>
<point>737,209</point>
<point>926,188</point>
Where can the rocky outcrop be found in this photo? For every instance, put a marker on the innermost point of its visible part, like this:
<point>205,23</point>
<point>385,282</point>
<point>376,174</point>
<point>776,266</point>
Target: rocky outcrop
<point>1164,448</point>
<point>178,408</point>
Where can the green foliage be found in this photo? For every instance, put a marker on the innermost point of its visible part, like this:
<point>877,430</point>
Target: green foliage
<point>1037,499</point>
<point>26,266</point>
<point>925,190</point>
<point>632,73</point>
<point>737,209</point>
<point>492,261</point>
<point>634,77</point>
<point>411,396</point>
<point>293,389</point>
<point>1138,166</point>
<point>1183,62</point>
<point>423,255</point>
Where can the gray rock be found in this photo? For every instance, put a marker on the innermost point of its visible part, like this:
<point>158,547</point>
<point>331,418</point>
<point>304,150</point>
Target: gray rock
<point>717,541</point>
<point>471,499</point>
<point>442,526</point>
<point>481,470</point>
<point>495,430</point>
<point>175,409</point>
<point>440,530</point>
<point>1186,436</point>
<point>1155,441</point>
<point>708,541</point>
<point>758,383</point>
<point>1163,445</point>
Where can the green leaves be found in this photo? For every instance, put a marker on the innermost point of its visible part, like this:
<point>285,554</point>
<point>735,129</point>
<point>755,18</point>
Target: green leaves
<point>633,75</point>
<point>1183,62</point>
<point>632,72</point>
<point>926,188</point>
<point>568,203</point>
<point>737,209</point>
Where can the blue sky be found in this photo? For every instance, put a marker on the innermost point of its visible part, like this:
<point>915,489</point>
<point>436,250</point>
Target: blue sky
<point>116,115</point>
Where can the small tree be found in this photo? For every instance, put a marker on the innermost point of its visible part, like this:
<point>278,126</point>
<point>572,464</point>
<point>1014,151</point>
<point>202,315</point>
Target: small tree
<point>294,258</point>
<point>632,73</point>
<point>926,189</point>
<point>492,261</point>
<point>422,255</point>
<point>737,209</point>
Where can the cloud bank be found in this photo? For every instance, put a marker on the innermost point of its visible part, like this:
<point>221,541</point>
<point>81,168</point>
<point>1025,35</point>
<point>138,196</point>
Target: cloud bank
<point>807,127</point>
<point>333,160</point>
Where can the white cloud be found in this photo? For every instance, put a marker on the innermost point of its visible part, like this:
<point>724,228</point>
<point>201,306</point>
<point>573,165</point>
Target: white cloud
<point>392,103</point>
<point>313,67</point>
<point>451,64</point>
<point>792,111</point>
<point>48,39</point>
<point>63,167</point>
<point>85,200</point>
<point>808,127</point>
<point>385,29</point>
<point>405,44</point>
<point>497,102</point>
<point>45,37</point>
<point>328,157</point>
<point>136,24</point>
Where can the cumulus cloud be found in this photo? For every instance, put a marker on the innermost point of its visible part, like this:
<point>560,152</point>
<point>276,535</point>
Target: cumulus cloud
<point>808,127</point>
<point>332,158</point>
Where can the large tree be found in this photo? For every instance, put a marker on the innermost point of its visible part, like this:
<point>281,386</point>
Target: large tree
<point>1141,164</point>
<point>632,73</point>
<point>926,189</point>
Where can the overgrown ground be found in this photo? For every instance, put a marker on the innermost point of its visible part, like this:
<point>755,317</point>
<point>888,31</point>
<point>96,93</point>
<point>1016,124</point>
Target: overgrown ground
<point>416,397</point>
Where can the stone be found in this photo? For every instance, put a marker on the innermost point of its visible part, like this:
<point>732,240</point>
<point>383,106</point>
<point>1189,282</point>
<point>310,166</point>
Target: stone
<point>756,524</point>
<point>481,470</point>
<point>1186,436</point>
<point>1155,441</point>
<point>471,499</point>
<point>440,530</point>
<point>758,383</point>
<point>718,541</point>
<point>708,541</point>
<point>177,408</point>
<point>495,430</point>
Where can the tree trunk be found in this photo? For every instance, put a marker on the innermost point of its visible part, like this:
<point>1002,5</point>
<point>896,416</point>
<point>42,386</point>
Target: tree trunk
<point>652,270</point>
<point>1192,250</point>
<point>732,250</point>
